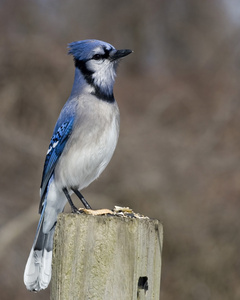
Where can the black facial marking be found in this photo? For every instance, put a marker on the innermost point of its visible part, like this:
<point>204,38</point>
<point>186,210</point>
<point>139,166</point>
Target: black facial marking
<point>81,65</point>
<point>99,56</point>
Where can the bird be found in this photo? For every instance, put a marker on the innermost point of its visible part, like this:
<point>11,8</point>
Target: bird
<point>83,142</point>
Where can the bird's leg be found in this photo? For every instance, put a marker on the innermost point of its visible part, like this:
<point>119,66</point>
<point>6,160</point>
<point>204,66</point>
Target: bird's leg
<point>73,207</point>
<point>88,210</point>
<point>80,196</point>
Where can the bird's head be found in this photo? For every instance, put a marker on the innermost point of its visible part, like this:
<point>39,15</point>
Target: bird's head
<point>97,61</point>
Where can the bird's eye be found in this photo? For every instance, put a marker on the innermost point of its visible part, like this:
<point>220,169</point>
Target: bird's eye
<point>97,56</point>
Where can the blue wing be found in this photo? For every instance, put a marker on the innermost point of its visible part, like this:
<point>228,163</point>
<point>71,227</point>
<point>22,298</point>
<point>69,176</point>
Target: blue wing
<point>56,146</point>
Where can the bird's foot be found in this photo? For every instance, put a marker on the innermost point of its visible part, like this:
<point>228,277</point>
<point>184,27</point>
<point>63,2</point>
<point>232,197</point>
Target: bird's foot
<point>75,210</point>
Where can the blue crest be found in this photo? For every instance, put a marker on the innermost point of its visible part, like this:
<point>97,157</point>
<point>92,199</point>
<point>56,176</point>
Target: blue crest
<point>82,50</point>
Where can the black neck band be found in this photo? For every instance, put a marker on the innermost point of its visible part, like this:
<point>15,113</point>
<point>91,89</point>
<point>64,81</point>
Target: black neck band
<point>100,94</point>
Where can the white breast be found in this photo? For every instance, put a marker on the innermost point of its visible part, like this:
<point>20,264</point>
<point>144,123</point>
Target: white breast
<point>90,146</point>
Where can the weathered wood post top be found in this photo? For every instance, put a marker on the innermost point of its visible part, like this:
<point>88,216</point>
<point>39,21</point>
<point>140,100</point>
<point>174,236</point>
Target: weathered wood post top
<point>107,257</point>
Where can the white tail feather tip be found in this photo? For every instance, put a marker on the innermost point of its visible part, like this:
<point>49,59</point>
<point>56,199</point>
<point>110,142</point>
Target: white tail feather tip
<point>37,274</point>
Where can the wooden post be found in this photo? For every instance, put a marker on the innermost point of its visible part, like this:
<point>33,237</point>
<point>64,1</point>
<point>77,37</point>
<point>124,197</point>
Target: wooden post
<point>106,258</point>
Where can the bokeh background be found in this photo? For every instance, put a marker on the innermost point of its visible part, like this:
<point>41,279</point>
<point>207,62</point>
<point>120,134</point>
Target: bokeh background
<point>178,157</point>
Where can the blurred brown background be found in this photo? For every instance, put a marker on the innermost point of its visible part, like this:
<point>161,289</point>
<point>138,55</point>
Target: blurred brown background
<point>178,157</point>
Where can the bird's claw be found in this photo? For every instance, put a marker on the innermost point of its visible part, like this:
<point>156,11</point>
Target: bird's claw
<point>76,211</point>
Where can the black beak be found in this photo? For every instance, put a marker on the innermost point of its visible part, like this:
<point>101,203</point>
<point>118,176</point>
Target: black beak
<point>120,53</point>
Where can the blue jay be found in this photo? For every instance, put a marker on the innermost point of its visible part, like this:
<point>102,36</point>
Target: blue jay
<point>83,142</point>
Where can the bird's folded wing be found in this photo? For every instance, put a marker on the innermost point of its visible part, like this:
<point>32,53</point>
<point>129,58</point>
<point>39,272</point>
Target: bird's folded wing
<point>56,146</point>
